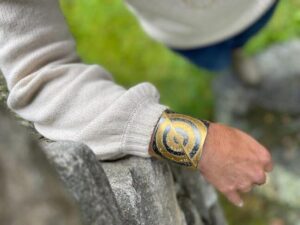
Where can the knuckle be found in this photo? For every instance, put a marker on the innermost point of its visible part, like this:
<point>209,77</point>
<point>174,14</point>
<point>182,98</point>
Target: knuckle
<point>269,167</point>
<point>226,189</point>
<point>229,189</point>
<point>265,157</point>
<point>266,161</point>
<point>260,177</point>
<point>245,187</point>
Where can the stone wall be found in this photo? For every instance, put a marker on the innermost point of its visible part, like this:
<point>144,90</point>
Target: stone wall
<point>3,91</point>
<point>30,190</point>
<point>63,183</point>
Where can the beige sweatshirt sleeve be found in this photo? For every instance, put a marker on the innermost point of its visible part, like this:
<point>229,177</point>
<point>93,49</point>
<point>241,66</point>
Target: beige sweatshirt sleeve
<point>65,98</point>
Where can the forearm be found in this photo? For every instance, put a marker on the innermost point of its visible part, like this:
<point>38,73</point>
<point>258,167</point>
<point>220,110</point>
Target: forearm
<point>66,99</point>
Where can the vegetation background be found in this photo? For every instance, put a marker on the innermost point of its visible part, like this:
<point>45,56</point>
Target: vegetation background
<point>108,34</point>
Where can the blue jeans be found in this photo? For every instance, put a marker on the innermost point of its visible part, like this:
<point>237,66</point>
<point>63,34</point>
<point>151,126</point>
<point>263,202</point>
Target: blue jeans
<point>217,57</point>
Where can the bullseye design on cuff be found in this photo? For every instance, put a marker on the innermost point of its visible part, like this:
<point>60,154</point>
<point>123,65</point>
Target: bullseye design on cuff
<point>180,138</point>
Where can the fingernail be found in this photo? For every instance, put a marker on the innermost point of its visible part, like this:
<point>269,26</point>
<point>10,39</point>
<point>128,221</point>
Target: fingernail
<point>241,204</point>
<point>267,179</point>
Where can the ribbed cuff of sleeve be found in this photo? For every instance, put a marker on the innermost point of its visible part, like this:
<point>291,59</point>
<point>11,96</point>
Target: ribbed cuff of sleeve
<point>141,127</point>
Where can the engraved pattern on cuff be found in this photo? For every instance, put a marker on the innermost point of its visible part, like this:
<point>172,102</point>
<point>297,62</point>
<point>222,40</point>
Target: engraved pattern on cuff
<point>180,138</point>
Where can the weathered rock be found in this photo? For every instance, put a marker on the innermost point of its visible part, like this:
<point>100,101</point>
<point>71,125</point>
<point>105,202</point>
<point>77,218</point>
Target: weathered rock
<point>283,187</point>
<point>145,191</point>
<point>3,91</point>
<point>279,90</point>
<point>3,98</point>
<point>216,215</point>
<point>144,188</point>
<point>30,190</point>
<point>84,177</point>
<point>197,198</point>
<point>271,113</point>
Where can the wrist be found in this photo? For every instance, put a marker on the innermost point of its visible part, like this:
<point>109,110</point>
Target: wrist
<point>206,144</point>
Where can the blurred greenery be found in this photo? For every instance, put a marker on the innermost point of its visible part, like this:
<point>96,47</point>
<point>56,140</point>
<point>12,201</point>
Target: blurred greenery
<point>107,34</point>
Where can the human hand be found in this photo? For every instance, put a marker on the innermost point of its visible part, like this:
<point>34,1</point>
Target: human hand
<point>233,162</point>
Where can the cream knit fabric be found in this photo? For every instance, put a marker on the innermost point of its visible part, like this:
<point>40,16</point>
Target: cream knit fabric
<point>193,23</point>
<point>65,98</point>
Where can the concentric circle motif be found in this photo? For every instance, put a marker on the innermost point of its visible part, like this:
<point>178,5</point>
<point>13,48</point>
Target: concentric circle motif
<point>180,138</point>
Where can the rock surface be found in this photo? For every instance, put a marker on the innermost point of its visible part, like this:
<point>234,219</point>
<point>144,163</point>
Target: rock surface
<point>271,113</point>
<point>148,193</point>
<point>145,191</point>
<point>278,91</point>
<point>129,191</point>
<point>3,91</point>
<point>84,177</point>
<point>3,98</point>
<point>197,198</point>
<point>30,190</point>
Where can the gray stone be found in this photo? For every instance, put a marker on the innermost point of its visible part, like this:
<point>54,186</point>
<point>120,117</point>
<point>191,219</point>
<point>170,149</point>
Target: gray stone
<point>3,91</point>
<point>280,68</point>
<point>283,186</point>
<point>279,61</point>
<point>217,215</point>
<point>84,177</point>
<point>149,193</point>
<point>279,89</point>
<point>145,191</point>
<point>30,190</point>
<point>198,199</point>
<point>3,98</point>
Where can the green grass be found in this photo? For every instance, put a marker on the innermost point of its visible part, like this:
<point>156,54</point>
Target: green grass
<point>107,34</point>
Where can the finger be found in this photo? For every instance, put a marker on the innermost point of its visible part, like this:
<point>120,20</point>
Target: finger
<point>245,188</point>
<point>257,175</point>
<point>260,177</point>
<point>266,159</point>
<point>235,198</point>
<point>269,167</point>
<point>267,179</point>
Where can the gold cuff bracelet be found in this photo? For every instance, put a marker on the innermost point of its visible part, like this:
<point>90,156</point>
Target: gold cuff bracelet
<point>179,138</point>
